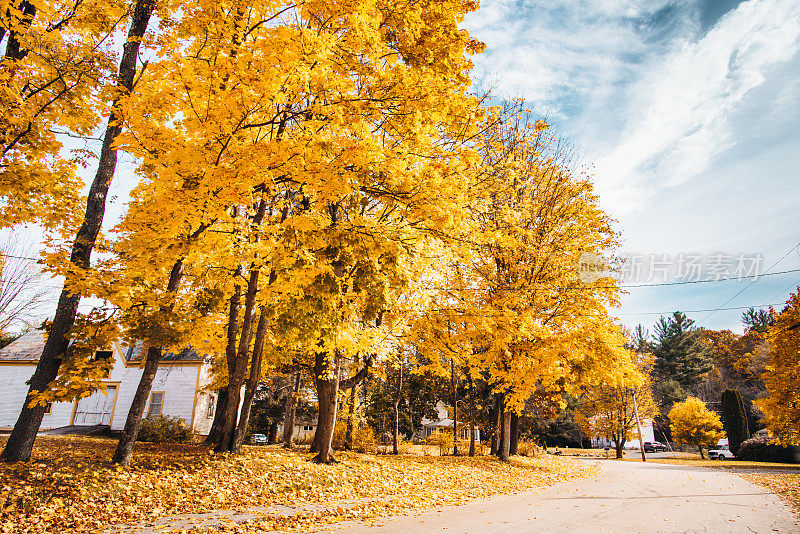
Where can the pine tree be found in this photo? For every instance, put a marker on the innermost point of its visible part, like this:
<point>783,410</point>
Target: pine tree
<point>679,351</point>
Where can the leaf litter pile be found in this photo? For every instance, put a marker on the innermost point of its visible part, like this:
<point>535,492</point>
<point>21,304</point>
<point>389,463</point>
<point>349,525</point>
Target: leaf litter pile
<point>70,486</point>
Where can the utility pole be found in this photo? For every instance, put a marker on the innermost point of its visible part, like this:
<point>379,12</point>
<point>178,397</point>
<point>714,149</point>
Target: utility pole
<point>638,424</point>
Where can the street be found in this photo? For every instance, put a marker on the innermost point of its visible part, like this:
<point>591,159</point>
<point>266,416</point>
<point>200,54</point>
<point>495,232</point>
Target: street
<point>625,497</point>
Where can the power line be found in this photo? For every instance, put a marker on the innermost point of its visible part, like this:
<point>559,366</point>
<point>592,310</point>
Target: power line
<point>622,286</point>
<point>750,284</point>
<point>600,315</point>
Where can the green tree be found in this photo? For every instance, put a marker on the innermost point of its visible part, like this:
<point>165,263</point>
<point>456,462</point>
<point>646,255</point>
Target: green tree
<point>679,351</point>
<point>734,418</point>
<point>758,320</point>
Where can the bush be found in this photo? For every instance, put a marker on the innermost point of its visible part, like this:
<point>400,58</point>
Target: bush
<point>528,448</point>
<point>765,449</point>
<point>164,429</point>
<point>363,437</point>
<point>442,439</point>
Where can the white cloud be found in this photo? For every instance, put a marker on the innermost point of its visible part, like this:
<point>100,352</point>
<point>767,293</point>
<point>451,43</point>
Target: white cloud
<point>677,120</point>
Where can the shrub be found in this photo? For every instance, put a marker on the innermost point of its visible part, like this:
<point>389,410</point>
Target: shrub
<point>442,439</point>
<point>164,429</point>
<point>527,448</point>
<point>363,437</point>
<point>765,449</point>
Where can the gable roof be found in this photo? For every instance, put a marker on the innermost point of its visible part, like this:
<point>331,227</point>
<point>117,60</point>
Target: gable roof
<point>28,347</point>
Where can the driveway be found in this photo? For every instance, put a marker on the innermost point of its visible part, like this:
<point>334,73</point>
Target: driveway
<point>625,497</point>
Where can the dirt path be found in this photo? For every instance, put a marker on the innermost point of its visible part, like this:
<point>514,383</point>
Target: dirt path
<point>625,497</point>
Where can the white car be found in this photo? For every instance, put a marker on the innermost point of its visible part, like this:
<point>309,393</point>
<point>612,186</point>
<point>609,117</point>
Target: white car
<point>721,453</point>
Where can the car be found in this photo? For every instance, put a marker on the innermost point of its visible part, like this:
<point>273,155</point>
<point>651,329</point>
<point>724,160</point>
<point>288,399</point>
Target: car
<point>721,453</point>
<point>654,446</point>
<point>258,439</point>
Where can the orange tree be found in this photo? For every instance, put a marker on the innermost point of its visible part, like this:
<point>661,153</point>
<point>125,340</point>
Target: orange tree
<point>782,376</point>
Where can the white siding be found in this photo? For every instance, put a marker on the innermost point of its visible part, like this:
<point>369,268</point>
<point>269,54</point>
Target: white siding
<point>13,389</point>
<point>177,382</point>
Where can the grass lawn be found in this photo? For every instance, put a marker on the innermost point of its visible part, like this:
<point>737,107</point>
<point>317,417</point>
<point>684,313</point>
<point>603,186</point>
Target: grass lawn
<point>70,486</point>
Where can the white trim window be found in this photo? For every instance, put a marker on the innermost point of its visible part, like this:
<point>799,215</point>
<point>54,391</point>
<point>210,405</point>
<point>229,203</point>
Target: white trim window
<point>156,403</point>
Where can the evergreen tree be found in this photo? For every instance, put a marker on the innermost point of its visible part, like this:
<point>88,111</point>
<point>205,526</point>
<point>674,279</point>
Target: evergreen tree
<point>734,419</point>
<point>679,351</point>
<point>757,320</point>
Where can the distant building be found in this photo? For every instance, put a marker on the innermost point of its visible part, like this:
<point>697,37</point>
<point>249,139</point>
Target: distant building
<point>177,389</point>
<point>443,421</point>
<point>648,436</point>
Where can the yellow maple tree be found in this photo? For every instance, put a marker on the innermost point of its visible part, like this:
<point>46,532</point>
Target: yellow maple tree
<point>781,406</point>
<point>693,423</point>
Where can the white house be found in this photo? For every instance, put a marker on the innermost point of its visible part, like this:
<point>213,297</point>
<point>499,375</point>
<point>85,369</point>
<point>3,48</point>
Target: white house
<point>648,436</point>
<point>443,420</point>
<point>177,389</point>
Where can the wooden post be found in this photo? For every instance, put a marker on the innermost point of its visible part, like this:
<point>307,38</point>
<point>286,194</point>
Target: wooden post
<point>638,425</point>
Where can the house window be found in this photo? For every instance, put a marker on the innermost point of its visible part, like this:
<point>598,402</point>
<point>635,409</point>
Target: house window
<point>211,405</point>
<point>307,428</point>
<point>156,403</point>
<point>103,355</point>
<point>48,408</point>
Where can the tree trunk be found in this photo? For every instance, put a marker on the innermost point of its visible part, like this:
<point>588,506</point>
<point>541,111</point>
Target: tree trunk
<point>502,439</point>
<point>495,427</point>
<point>252,383</point>
<point>702,456</point>
<point>505,449</point>
<point>124,450</point>
<point>619,446</point>
<point>236,375</point>
<point>14,50</point>
<point>219,413</point>
<point>20,442</point>
<point>351,415</point>
<point>216,435</point>
<point>396,429</point>
<point>272,438</point>
<point>454,388</point>
<point>471,415</point>
<point>514,435</point>
<point>327,396</point>
<point>288,417</point>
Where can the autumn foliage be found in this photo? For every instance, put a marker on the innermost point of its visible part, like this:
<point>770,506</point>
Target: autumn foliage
<point>72,487</point>
<point>782,376</point>
<point>694,424</point>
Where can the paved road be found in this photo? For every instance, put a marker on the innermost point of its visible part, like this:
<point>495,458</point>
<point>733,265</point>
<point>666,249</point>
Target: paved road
<point>626,497</point>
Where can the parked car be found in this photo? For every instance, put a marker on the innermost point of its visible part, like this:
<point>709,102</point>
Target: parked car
<point>654,446</point>
<point>258,439</point>
<point>721,453</point>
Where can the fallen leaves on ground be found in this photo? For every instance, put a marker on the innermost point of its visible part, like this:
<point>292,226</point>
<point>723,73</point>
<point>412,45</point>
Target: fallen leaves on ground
<point>785,485</point>
<point>721,464</point>
<point>70,485</point>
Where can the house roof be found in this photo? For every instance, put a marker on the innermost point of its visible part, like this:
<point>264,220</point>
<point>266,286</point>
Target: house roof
<point>438,423</point>
<point>28,347</point>
<point>136,352</point>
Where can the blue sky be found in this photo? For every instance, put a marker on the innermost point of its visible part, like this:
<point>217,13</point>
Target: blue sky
<point>687,113</point>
